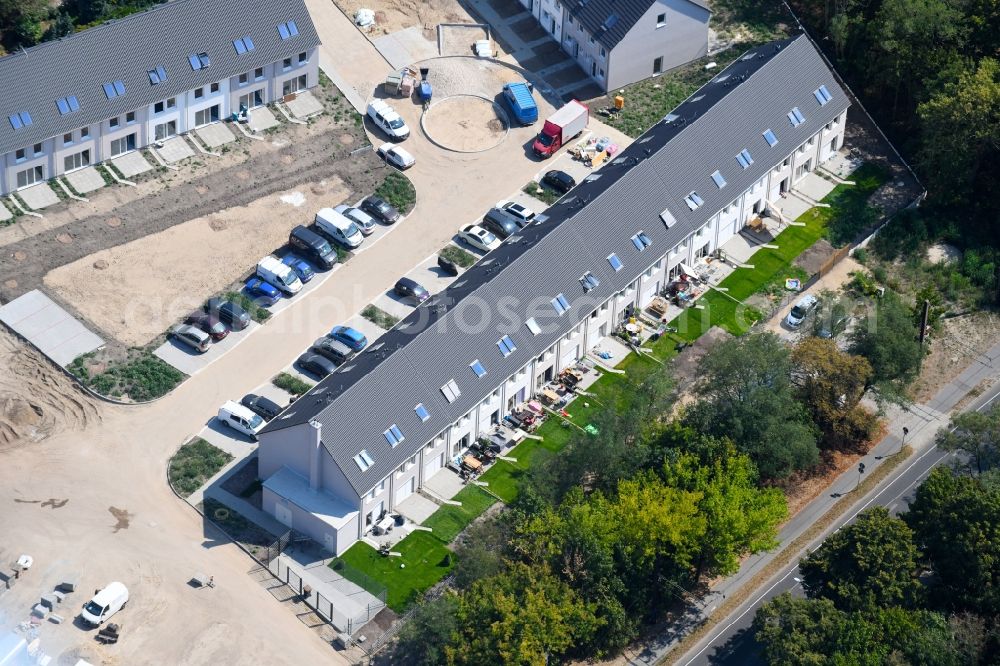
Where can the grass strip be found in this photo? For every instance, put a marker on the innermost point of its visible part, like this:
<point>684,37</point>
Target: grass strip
<point>291,383</point>
<point>195,463</point>
<point>379,317</point>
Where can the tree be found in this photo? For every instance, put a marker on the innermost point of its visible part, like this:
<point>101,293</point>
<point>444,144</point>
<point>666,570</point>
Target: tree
<point>868,564</point>
<point>740,518</point>
<point>831,384</point>
<point>20,22</point>
<point>956,524</point>
<point>888,339</point>
<point>746,395</point>
<point>425,637</point>
<point>977,435</point>
<point>522,616</point>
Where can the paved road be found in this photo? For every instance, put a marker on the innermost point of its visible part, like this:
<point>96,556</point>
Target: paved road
<point>733,643</point>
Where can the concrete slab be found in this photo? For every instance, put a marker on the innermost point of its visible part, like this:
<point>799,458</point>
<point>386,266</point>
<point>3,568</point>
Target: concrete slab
<point>191,362</point>
<point>433,278</point>
<point>5,213</point>
<point>305,105</point>
<point>444,483</point>
<point>416,507</point>
<point>215,135</point>
<point>261,119</point>
<point>843,164</point>
<point>394,305</point>
<point>370,330</point>
<point>222,436</point>
<point>85,180</point>
<point>175,149</point>
<point>55,332</point>
<point>815,187</point>
<point>131,164</point>
<point>406,47</point>
<point>38,196</point>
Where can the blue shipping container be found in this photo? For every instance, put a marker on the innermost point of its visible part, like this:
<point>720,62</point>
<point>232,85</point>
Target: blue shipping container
<point>521,103</point>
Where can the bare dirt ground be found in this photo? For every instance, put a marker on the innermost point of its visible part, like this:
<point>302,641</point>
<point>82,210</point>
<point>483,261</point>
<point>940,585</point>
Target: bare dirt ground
<point>171,272</point>
<point>395,15</point>
<point>249,171</point>
<point>36,400</point>
<point>961,341</point>
<point>465,123</point>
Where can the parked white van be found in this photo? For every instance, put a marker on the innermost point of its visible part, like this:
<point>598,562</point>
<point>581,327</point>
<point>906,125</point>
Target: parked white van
<point>270,269</point>
<point>338,228</point>
<point>105,603</point>
<point>387,120</point>
<point>241,419</point>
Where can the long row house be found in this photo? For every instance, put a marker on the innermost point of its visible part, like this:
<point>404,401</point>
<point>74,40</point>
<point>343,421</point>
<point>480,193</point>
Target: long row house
<point>372,433</point>
<point>120,86</point>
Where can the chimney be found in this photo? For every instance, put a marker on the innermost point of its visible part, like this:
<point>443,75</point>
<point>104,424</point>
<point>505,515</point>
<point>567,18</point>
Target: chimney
<point>315,456</point>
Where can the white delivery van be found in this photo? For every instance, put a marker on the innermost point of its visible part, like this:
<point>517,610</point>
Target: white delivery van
<point>338,228</point>
<point>105,603</point>
<point>241,419</point>
<point>270,269</point>
<point>387,120</point>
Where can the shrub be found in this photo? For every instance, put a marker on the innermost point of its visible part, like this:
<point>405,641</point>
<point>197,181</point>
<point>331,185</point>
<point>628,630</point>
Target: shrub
<point>256,312</point>
<point>398,191</point>
<point>194,464</point>
<point>540,192</point>
<point>458,255</point>
<point>379,317</point>
<point>291,383</point>
<point>144,377</point>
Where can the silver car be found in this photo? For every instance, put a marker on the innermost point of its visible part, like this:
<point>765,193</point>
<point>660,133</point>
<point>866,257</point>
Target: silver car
<point>193,337</point>
<point>364,221</point>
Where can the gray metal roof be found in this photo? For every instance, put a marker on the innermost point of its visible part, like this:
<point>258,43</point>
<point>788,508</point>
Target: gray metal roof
<point>126,49</point>
<point>596,16</point>
<point>410,363</point>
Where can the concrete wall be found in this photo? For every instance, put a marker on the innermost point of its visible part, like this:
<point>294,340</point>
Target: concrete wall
<point>681,39</point>
<point>288,447</point>
<point>309,524</point>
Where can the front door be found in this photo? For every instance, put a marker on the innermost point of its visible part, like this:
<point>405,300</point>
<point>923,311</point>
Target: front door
<point>165,130</point>
<point>283,514</point>
<point>206,116</point>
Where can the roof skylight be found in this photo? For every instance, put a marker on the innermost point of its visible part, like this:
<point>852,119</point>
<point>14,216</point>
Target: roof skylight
<point>719,180</point>
<point>533,326</point>
<point>288,29</point>
<point>67,105</point>
<point>422,412</point>
<point>114,89</point>
<point>744,158</point>
<point>506,345</point>
<point>771,139</point>
<point>394,435</point>
<point>199,61</point>
<point>243,45</point>
<point>450,391</point>
<point>589,281</point>
<point>615,262</point>
<point>364,460</point>
<point>157,75</point>
<point>822,95</point>
<point>795,117</point>
<point>477,368</point>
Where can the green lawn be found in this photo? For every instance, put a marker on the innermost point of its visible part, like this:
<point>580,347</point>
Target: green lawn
<point>449,520</point>
<point>424,564</point>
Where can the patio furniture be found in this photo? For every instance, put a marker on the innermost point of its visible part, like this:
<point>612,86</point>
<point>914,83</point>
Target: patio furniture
<point>549,396</point>
<point>658,307</point>
<point>472,464</point>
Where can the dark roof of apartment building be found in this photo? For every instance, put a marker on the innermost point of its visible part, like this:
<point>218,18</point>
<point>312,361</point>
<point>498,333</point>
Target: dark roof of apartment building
<point>642,190</point>
<point>60,85</point>
<point>610,20</point>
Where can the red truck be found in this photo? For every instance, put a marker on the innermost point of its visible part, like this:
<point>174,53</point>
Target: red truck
<point>560,128</point>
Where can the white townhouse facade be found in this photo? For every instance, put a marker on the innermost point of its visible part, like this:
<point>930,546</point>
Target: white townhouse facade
<point>371,434</point>
<point>619,42</point>
<point>120,86</point>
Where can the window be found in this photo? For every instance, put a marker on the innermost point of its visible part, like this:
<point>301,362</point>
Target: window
<point>84,132</point>
<point>641,241</point>
<point>20,154</point>
<point>37,149</point>
<point>172,102</point>
<point>422,412</point>
<point>560,304</point>
<point>303,57</point>
<point>477,368</point>
<point>604,53</point>
<point>822,95</point>
<point>533,326</point>
<point>744,158</point>
<point>214,88</point>
<point>114,89</point>
<point>157,76</point>
<point>244,79</point>
<point>589,281</point>
<point>258,73</point>
<point>158,107</point>
<point>658,65</point>
<point>615,262</point>
<point>30,176</point>
<point>506,345</point>
<point>67,105</point>
<point>130,117</point>
<point>795,117</point>
<point>693,201</point>
<point>19,120</point>
<point>288,29</point>
<point>199,61</point>
<point>67,138</point>
<point>243,45</point>
<point>394,435</point>
<point>719,180</point>
<point>286,63</point>
<point>364,460</point>
<point>661,20</point>
<point>770,138</point>
<point>114,122</point>
<point>199,93</point>
<point>450,391</point>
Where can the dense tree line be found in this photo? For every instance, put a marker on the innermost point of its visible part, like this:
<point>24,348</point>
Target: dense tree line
<point>923,588</point>
<point>25,23</point>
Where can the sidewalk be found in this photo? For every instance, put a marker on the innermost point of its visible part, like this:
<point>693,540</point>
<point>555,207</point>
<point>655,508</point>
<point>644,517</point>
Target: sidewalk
<point>923,422</point>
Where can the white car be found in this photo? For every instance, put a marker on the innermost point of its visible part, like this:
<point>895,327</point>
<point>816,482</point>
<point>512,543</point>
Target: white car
<point>241,419</point>
<point>365,222</point>
<point>396,156</point>
<point>387,120</point>
<point>522,213</point>
<point>479,238</point>
<point>801,310</point>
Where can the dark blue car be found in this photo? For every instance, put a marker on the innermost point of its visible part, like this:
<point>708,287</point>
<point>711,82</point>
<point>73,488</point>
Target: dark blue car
<point>302,269</point>
<point>262,292</point>
<point>351,337</point>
